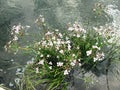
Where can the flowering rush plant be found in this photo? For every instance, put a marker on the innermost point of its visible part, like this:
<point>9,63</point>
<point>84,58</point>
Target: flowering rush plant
<point>57,54</point>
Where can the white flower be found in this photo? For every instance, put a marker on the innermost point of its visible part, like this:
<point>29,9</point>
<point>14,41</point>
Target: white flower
<point>59,64</point>
<point>95,59</point>
<point>56,30</point>
<point>58,57</point>
<point>78,35</point>
<point>62,42</point>
<point>73,63</point>
<point>41,55</point>
<point>41,62</point>
<point>43,43</point>
<point>99,57</point>
<point>76,29</point>
<point>70,28</point>
<point>60,35</point>
<point>66,72</point>
<point>37,70</point>
<point>83,30</point>
<point>68,42</point>
<point>42,19</point>
<point>84,36</point>
<point>58,42</point>
<point>50,67</point>
<point>79,60</point>
<point>17,28</point>
<point>50,63</point>
<point>66,38</point>
<point>48,55</point>
<point>54,42</point>
<point>50,43</point>
<point>48,33</point>
<point>78,47</point>
<point>15,38</point>
<point>29,62</point>
<point>39,48</point>
<point>17,31</point>
<point>39,43</point>
<point>53,37</point>
<point>57,47</point>
<point>73,55</point>
<point>89,52</point>
<point>96,47</point>
<point>9,42</point>
<point>61,51</point>
<point>69,47</point>
<point>80,64</point>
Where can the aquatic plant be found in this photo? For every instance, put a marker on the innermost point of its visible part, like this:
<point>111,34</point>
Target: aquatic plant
<point>58,54</point>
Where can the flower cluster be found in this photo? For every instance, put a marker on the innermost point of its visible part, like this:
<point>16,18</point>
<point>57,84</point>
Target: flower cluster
<point>87,45</point>
<point>16,32</point>
<point>40,20</point>
<point>109,32</point>
<point>57,54</point>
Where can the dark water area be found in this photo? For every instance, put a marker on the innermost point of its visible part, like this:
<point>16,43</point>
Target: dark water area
<point>57,13</point>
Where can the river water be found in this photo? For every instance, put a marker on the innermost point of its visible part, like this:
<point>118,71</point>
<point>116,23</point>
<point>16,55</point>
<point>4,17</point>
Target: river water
<point>57,13</point>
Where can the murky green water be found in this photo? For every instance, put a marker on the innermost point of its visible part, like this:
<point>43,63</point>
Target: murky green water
<point>57,13</point>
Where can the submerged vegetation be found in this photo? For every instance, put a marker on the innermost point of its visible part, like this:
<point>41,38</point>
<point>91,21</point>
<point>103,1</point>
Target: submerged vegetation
<point>57,54</point>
